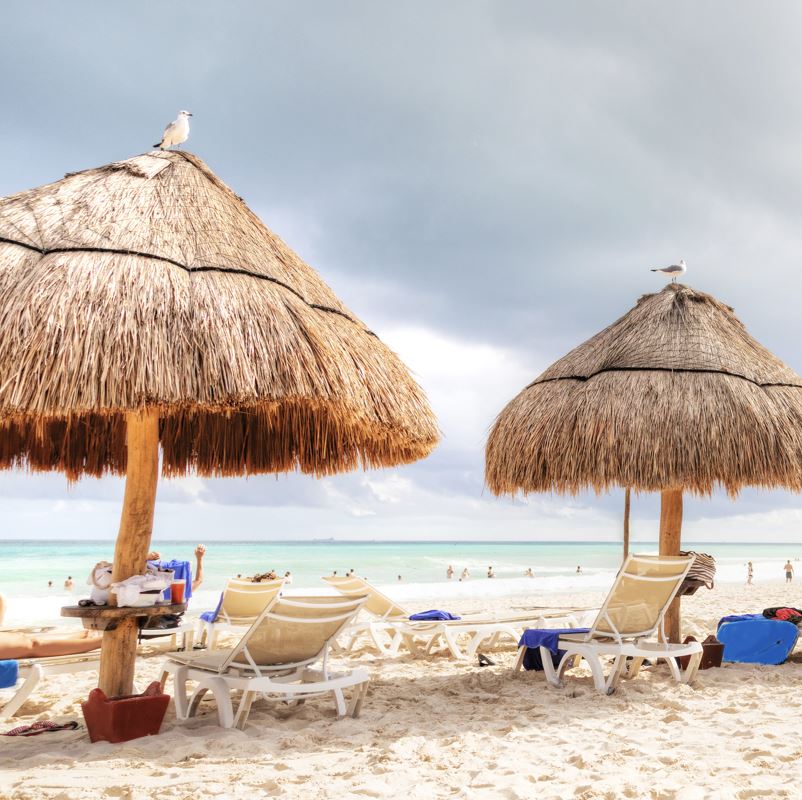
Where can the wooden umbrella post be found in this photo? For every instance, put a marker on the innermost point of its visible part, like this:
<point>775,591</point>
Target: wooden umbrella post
<point>118,652</point>
<point>670,541</point>
<point>626,521</point>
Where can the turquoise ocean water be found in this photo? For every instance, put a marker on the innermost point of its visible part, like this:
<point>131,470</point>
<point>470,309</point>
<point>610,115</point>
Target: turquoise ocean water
<point>26,567</point>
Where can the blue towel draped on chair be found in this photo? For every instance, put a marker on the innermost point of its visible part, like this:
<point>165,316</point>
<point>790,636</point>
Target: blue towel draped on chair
<point>535,638</point>
<point>434,615</point>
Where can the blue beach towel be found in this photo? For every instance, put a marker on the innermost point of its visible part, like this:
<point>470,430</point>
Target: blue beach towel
<point>434,614</point>
<point>738,618</point>
<point>211,616</point>
<point>9,671</point>
<point>535,638</point>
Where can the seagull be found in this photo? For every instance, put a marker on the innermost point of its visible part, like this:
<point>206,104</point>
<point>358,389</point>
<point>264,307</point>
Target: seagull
<point>176,132</point>
<point>674,271</point>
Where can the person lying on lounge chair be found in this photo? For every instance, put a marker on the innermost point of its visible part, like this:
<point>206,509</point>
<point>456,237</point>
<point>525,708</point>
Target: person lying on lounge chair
<point>20,645</point>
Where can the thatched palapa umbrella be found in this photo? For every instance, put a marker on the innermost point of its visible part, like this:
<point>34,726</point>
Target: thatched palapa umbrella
<point>674,396</point>
<point>143,304</point>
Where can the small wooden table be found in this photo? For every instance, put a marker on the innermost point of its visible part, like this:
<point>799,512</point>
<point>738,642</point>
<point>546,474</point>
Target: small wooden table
<point>106,618</point>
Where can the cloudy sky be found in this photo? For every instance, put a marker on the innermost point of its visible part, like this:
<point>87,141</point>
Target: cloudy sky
<point>486,184</point>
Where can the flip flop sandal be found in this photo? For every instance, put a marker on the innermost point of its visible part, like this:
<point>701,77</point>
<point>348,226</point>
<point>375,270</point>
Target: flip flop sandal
<point>42,726</point>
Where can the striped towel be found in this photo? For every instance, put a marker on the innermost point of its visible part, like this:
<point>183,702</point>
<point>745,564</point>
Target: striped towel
<point>701,573</point>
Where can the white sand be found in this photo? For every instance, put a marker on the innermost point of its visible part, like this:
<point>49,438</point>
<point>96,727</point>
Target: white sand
<point>435,728</point>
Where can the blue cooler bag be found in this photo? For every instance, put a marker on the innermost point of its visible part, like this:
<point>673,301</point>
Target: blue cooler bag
<point>758,640</point>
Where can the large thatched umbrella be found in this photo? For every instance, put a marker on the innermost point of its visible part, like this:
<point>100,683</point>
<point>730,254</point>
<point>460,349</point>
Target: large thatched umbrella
<point>143,304</point>
<point>674,396</point>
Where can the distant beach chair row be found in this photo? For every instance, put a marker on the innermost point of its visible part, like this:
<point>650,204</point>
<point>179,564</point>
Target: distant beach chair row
<point>286,636</point>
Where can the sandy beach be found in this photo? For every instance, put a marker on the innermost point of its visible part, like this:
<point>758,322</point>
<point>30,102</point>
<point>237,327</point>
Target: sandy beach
<point>433,728</point>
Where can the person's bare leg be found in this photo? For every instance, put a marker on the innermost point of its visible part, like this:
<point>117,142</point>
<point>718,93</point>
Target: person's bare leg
<point>20,645</point>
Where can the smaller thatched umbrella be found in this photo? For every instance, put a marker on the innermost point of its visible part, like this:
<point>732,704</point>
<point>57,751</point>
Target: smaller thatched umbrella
<point>143,305</point>
<point>674,396</point>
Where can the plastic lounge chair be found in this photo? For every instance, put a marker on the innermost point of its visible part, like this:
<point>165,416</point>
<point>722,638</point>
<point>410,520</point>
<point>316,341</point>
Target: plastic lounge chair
<point>33,670</point>
<point>242,602</point>
<point>391,627</point>
<point>631,615</point>
<point>274,657</point>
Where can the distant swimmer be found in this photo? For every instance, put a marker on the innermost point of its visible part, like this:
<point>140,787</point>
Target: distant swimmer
<point>674,271</point>
<point>68,583</point>
<point>50,584</point>
<point>529,573</point>
<point>579,570</point>
<point>400,578</point>
<point>287,577</point>
<point>450,572</point>
<point>490,573</point>
<point>465,575</point>
<point>177,132</point>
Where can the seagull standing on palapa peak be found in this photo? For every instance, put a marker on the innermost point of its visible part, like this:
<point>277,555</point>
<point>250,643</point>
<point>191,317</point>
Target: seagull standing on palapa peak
<point>674,271</point>
<point>177,132</point>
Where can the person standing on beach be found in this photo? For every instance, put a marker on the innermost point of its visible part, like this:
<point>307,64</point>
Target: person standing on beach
<point>450,572</point>
<point>465,575</point>
<point>579,570</point>
<point>789,571</point>
<point>490,573</point>
<point>749,573</point>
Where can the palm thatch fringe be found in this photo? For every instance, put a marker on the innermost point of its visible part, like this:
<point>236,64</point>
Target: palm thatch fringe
<point>675,394</point>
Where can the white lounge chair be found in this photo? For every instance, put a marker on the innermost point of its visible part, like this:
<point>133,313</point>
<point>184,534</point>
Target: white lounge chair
<point>33,670</point>
<point>274,657</point>
<point>632,614</point>
<point>243,601</point>
<point>390,628</point>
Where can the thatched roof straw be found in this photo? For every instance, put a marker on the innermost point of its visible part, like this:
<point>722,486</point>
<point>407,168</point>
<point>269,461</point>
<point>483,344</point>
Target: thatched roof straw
<point>675,394</point>
<point>149,283</point>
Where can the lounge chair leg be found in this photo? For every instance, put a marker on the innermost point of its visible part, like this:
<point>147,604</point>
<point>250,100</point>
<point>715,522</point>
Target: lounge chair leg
<point>358,699</point>
<point>552,676</point>
<point>23,693</point>
<point>180,693</point>
<point>619,667</point>
<point>634,668</point>
<point>244,710</point>
<point>339,701</point>
<point>453,646</point>
<point>163,679</point>
<point>596,669</point>
<point>519,661</point>
<point>219,688</point>
<point>690,671</point>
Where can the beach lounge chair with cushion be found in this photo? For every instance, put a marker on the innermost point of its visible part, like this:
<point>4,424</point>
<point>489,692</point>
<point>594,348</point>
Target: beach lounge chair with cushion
<point>628,620</point>
<point>240,604</point>
<point>274,657</point>
<point>32,670</point>
<point>391,626</point>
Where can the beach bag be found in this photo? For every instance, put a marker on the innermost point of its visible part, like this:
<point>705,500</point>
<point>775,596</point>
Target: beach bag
<point>712,653</point>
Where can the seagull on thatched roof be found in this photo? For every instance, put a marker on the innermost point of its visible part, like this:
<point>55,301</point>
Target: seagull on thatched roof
<point>674,271</point>
<point>176,132</point>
